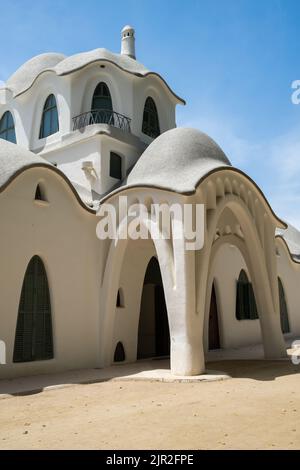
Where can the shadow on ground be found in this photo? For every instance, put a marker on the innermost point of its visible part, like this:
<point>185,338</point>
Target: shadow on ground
<point>256,369</point>
<point>149,370</point>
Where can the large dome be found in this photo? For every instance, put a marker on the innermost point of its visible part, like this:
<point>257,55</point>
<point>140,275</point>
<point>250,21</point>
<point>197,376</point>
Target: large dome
<point>28,72</point>
<point>177,160</point>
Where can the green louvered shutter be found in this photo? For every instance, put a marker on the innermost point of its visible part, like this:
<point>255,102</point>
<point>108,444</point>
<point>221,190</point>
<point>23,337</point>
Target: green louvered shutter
<point>43,323</point>
<point>246,308</point>
<point>253,315</point>
<point>34,339</point>
<point>241,296</point>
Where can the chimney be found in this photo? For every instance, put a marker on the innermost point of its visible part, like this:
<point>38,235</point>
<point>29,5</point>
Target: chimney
<point>128,41</point>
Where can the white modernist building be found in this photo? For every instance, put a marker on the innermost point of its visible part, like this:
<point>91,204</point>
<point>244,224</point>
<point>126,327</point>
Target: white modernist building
<point>80,132</point>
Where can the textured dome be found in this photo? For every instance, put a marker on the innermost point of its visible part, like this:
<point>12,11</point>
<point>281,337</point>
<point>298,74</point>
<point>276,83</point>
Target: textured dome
<point>177,160</point>
<point>127,28</point>
<point>27,73</point>
<point>61,65</point>
<point>14,158</point>
<point>78,61</point>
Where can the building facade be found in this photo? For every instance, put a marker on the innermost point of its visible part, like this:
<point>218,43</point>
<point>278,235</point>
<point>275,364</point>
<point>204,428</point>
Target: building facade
<point>80,132</point>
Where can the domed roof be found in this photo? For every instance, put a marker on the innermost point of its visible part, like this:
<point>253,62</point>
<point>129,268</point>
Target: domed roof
<point>77,61</point>
<point>127,28</point>
<point>27,73</point>
<point>177,160</point>
<point>61,65</point>
<point>14,158</point>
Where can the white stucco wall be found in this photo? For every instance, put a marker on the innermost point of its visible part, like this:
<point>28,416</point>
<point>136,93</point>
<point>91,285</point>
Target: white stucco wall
<point>226,268</point>
<point>289,273</point>
<point>62,233</point>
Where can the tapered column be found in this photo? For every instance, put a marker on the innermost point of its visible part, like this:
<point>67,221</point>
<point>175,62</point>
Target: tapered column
<point>187,357</point>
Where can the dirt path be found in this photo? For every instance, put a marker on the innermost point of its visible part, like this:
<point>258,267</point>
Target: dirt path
<point>258,408</point>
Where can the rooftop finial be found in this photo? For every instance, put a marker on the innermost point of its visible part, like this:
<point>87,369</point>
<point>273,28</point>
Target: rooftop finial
<point>128,41</point>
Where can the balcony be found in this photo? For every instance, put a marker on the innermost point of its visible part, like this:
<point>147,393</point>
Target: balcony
<point>102,116</point>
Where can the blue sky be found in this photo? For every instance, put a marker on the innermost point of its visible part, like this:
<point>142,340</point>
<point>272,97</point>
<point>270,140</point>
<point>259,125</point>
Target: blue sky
<point>232,60</point>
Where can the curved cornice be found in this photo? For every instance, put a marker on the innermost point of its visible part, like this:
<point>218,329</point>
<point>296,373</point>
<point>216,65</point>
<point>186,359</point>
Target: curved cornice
<point>280,237</point>
<point>124,188</point>
<point>49,168</point>
<point>76,69</point>
<point>201,180</point>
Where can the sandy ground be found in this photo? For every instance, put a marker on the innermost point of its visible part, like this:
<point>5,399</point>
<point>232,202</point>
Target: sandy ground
<point>258,408</point>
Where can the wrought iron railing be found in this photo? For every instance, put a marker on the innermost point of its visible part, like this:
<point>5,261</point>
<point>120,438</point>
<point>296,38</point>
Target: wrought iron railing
<point>102,116</point>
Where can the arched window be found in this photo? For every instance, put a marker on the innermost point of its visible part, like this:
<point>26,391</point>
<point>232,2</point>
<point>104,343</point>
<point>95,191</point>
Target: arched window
<point>119,353</point>
<point>120,298</point>
<point>7,128</point>
<point>49,123</point>
<point>115,166</point>
<point>150,119</point>
<point>101,97</point>
<point>284,318</point>
<point>245,300</point>
<point>102,109</point>
<point>40,193</point>
<point>34,341</point>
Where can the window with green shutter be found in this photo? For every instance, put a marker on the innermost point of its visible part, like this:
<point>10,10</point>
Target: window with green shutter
<point>246,308</point>
<point>115,166</point>
<point>150,124</point>
<point>50,122</point>
<point>34,339</point>
<point>102,98</point>
<point>7,128</point>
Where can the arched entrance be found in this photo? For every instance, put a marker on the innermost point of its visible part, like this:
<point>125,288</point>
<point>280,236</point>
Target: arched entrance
<point>213,327</point>
<point>153,331</point>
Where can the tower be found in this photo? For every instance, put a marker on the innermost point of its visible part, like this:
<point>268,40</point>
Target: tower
<point>100,120</point>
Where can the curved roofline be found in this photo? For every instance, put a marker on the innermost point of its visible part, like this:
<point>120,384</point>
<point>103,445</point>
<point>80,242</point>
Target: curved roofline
<point>287,248</point>
<point>123,188</point>
<point>200,181</point>
<point>140,75</point>
<point>55,170</point>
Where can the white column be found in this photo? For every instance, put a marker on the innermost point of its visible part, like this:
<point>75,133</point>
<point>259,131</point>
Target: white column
<point>187,356</point>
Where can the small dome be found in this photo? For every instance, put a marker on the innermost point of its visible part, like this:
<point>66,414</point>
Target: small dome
<point>78,61</point>
<point>177,160</point>
<point>127,28</point>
